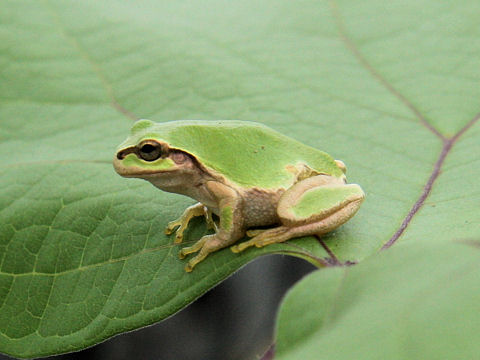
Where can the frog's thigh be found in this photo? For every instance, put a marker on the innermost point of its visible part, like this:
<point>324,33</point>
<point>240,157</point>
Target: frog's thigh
<point>320,198</point>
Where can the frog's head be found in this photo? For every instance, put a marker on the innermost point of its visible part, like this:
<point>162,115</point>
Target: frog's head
<point>145,155</point>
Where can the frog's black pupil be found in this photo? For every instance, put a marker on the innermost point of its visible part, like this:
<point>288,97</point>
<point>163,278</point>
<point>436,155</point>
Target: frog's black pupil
<point>148,148</point>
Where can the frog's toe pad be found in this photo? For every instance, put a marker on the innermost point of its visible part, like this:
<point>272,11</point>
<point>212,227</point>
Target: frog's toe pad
<point>189,267</point>
<point>178,238</point>
<point>170,229</point>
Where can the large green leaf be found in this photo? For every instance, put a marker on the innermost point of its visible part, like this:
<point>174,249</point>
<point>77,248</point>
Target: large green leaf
<point>391,88</point>
<point>417,301</point>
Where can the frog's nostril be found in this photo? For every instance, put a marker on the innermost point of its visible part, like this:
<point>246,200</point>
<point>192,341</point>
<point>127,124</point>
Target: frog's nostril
<point>120,155</point>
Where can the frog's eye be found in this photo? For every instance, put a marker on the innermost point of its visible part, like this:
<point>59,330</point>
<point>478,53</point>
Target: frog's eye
<point>149,150</point>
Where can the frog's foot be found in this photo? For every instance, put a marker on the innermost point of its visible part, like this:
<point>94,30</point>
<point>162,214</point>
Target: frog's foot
<point>206,245</point>
<point>264,237</point>
<point>182,222</point>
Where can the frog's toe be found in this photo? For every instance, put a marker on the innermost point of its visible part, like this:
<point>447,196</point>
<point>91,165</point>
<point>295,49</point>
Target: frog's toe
<point>181,255</point>
<point>171,227</point>
<point>189,267</point>
<point>178,238</point>
<point>192,263</point>
<point>178,228</point>
<point>242,246</point>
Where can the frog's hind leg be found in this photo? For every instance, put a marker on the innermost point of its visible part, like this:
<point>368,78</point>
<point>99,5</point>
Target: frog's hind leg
<point>284,233</point>
<point>314,206</point>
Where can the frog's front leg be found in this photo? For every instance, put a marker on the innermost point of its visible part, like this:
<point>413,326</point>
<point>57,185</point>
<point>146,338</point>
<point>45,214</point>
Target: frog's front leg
<point>230,228</point>
<point>313,206</point>
<point>182,222</point>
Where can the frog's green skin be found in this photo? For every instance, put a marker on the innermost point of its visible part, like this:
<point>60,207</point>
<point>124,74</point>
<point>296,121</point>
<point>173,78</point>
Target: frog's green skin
<point>245,173</point>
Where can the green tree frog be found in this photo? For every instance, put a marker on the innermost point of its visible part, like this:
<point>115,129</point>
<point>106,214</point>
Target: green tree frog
<point>257,182</point>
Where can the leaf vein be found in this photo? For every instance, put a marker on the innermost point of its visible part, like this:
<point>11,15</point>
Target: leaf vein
<point>350,45</point>
<point>448,143</point>
<point>97,69</point>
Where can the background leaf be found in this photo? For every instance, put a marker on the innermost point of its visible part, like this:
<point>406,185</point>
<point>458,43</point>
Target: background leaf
<point>414,301</point>
<point>389,88</point>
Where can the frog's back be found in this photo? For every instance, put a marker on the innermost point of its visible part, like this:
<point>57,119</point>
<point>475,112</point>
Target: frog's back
<point>248,153</point>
